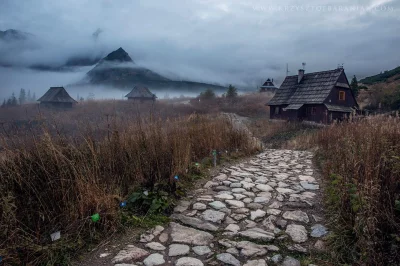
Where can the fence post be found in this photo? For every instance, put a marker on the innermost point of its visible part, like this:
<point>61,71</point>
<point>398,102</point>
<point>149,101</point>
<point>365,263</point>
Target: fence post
<point>214,152</point>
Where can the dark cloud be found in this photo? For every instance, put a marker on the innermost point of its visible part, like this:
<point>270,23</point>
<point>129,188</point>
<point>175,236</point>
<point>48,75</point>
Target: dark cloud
<point>240,42</point>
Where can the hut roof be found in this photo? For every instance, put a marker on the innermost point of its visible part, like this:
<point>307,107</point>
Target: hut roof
<point>269,84</point>
<point>140,92</point>
<point>57,95</point>
<point>312,89</point>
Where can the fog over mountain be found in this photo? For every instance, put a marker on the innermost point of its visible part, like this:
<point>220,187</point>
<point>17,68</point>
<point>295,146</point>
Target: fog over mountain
<point>238,42</point>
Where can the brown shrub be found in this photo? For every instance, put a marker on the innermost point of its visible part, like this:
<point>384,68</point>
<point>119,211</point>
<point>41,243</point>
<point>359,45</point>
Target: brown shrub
<point>361,163</point>
<point>53,180</point>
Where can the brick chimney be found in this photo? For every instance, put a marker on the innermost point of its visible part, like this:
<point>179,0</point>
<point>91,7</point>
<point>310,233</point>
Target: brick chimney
<point>300,76</point>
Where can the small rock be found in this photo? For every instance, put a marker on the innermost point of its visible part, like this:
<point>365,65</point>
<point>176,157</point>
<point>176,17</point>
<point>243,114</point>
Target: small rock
<point>188,261</point>
<point>163,237</point>
<point>264,187</point>
<point>297,247</point>
<point>233,228</point>
<point>178,250</point>
<point>103,255</point>
<point>298,233</point>
<point>201,250</point>
<point>228,259</point>
<point>257,214</point>
<point>320,246</point>
<point>299,216</point>
<point>254,206</point>
<point>155,246</point>
<point>210,184</point>
<point>154,259</point>
<point>258,234</point>
<point>273,211</point>
<point>281,223</point>
<point>233,251</point>
<point>182,206</point>
<point>289,261</point>
<point>199,206</point>
<point>276,258</point>
<point>223,196</point>
<point>309,186</point>
<point>236,185</point>
<point>261,200</point>
<point>317,218</point>
<point>221,177</point>
<point>235,203</point>
<point>213,216</point>
<point>195,222</point>
<point>217,205</point>
<point>238,190</point>
<point>256,263</point>
<point>130,253</point>
<point>186,235</point>
<point>318,230</point>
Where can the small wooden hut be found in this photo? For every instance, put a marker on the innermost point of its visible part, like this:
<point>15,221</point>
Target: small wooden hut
<point>268,86</point>
<point>141,93</point>
<point>57,97</point>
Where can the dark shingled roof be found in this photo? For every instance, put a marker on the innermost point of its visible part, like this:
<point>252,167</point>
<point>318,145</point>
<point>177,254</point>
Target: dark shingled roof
<point>57,95</point>
<point>338,108</point>
<point>312,89</point>
<point>140,92</point>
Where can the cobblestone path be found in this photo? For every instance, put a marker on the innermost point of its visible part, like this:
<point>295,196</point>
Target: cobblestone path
<point>262,212</point>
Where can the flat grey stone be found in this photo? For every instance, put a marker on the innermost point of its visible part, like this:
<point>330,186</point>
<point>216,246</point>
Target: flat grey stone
<point>276,258</point>
<point>182,206</point>
<point>223,196</point>
<point>233,251</point>
<point>254,206</point>
<point>261,199</point>
<point>217,205</point>
<point>309,186</point>
<point>236,185</point>
<point>130,253</point>
<point>257,214</point>
<point>188,261</point>
<point>318,230</point>
<point>238,190</point>
<point>228,259</point>
<point>264,187</point>
<point>210,184</point>
<point>221,188</point>
<point>221,177</point>
<point>163,237</point>
<point>186,235</point>
<point>298,215</point>
<point>195,222</point>
<point>199,206</point>
<point>233,228</point>
<point>213,216</point>
<point>289,261</point>
<point>154,259</point>
<point>298,233</point>
<point>201,250</point>
<point>155,246</point>
<point>235,203</point>
<point>250,249</point>
<point>256,263</point>
<point>258,234</point>
<point>178,250</point>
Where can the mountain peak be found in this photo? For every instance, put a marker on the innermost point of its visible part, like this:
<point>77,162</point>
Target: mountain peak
<point>13,35</point>
<point>119,55</point>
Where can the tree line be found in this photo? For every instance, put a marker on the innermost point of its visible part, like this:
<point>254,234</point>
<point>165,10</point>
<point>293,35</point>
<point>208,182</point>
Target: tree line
<point>24,97</point>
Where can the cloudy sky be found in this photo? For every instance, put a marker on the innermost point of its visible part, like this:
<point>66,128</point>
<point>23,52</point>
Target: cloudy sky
<point>237,41</point>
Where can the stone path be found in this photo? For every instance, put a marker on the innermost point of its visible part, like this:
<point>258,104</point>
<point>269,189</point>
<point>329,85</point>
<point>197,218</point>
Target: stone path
<point>263,212</point>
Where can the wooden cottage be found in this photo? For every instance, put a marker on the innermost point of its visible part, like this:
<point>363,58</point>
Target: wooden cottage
<point>319,97</point>
<point>57,97</point>
<point>141,93</point>
<point>268,86</point>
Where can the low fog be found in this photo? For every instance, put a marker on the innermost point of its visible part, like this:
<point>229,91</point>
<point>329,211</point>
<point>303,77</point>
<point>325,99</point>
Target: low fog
<point>225,42</point>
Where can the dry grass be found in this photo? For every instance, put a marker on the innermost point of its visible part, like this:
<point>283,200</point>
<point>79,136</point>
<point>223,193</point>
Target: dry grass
<point>71,165</point>
<point>361,163</point>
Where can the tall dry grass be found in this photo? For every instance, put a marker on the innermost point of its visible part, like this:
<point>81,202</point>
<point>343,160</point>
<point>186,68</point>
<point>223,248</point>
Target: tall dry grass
<point>361,163</point>
<point>53,180</point>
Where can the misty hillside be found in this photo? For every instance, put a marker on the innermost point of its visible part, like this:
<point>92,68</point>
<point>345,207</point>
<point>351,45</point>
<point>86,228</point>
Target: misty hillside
<point>119,70</point>
<point>14,44</point>
<point>14,35</point>
<point>382,77</point>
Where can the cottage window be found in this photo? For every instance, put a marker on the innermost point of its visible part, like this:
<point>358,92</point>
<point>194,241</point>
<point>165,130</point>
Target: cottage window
<point>342,95</point>
<point>277,110</point>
